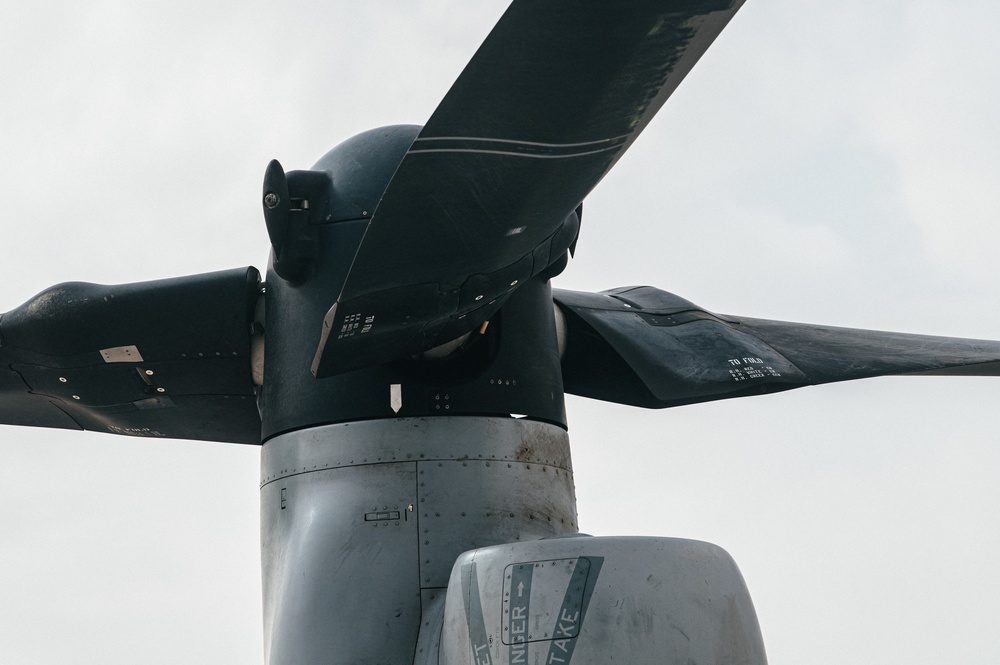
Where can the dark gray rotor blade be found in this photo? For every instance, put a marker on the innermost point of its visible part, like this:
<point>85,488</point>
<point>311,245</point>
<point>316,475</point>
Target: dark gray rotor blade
<point>169,358</point>
<point>646,347</point>
<point>552,99</point>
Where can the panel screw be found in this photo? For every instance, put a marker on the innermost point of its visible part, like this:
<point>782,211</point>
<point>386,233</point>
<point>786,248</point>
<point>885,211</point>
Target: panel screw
<point>271,199</point>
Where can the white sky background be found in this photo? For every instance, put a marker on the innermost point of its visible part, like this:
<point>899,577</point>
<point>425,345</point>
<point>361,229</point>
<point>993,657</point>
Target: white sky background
<point>825,162</point>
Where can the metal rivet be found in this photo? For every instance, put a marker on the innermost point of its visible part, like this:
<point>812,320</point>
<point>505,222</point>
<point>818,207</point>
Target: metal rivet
<point>149,372</point>
<point>514,283</point>
<point>161,390</point>
<point>479,297</point>
<point>76,397</point>
<point>62,379</point>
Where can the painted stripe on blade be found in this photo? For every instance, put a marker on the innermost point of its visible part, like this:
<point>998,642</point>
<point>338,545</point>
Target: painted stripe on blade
<point>515,148</point>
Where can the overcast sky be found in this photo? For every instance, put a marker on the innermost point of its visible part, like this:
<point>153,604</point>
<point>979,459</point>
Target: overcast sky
<point>825,162</point>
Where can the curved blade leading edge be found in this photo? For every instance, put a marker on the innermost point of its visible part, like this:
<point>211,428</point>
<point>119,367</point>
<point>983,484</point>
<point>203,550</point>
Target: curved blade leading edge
<point>646,347</point>
<point>552,99</point>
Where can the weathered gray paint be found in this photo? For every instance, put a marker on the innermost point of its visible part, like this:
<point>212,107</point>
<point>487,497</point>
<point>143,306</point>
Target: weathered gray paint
<point>376,512</point>
<point>364,526</point>
<point>638,600</point>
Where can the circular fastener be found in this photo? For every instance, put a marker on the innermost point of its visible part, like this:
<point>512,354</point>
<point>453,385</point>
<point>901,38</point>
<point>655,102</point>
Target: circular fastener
<point>76,397</point>
<point>514,283</point>
<point>62,379</point>
<point>271,199</point>
<point>161,390</point>
<point>479,297</point>
<point>149,372</point>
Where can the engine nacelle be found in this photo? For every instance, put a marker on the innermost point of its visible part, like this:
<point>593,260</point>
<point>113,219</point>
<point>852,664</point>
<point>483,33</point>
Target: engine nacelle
<point>589,600</point>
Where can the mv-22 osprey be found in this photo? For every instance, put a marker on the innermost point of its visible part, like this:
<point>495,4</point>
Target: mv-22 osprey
<point>403,363</point>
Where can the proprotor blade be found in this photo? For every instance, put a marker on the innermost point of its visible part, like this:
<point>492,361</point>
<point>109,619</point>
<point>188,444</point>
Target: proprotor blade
<point>553,98</point>
<point>169,358</point>
<point>646,347</point>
